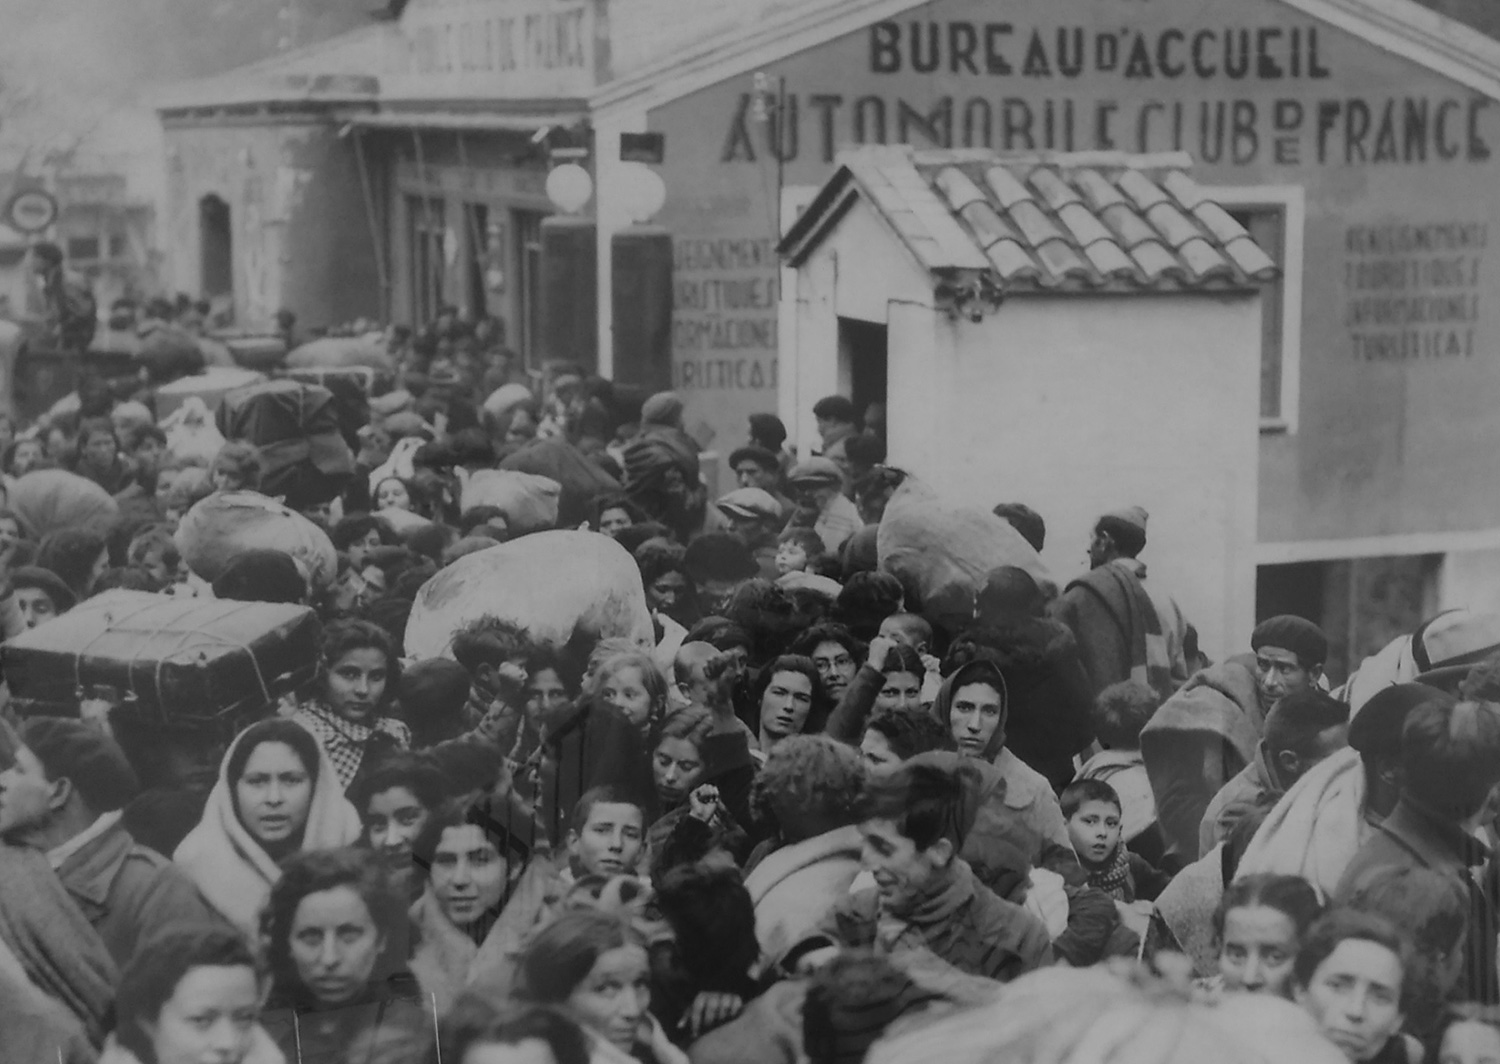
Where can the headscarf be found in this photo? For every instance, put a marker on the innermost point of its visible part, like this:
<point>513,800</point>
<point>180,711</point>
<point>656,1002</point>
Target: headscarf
<point>229,865</point>
<point>980,671</point>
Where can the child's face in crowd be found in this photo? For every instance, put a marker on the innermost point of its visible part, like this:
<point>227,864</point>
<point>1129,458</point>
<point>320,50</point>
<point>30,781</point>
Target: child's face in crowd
<point>609,842</point>
<point>791,558</point>
<point>1095,831</point>
<point>625,689</point>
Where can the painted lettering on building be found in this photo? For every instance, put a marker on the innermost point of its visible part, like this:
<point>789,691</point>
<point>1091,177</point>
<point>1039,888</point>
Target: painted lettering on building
<point>494,48</point>
<point>1413,290</point>
<point>725,295</point>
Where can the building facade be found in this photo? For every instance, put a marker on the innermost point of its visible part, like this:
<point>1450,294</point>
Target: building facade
<point>1355,140</point>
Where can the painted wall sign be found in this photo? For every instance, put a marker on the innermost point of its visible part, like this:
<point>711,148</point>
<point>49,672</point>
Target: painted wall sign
<point>492,49</point>
<point>1400,346</point>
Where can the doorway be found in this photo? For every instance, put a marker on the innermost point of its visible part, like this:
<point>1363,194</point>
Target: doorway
<point>863,362</point>
<point>216,240</point>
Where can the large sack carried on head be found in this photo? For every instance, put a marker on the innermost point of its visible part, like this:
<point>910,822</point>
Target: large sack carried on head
<point>941,553</point>
<point>338,352</point>
<point>582,480</point>
<point>561,586</point>
<point>49,499</point>
<point>223,525</point>
<point>530,503</point>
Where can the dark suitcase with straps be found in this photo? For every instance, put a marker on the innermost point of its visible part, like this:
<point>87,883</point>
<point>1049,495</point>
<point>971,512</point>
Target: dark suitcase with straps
<point>175,662</point>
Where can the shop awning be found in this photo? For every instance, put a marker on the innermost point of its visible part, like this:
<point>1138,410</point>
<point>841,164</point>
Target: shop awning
<point>459,121</point>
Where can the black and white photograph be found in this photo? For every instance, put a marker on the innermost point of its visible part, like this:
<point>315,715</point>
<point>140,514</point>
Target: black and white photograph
<point>749,532</point>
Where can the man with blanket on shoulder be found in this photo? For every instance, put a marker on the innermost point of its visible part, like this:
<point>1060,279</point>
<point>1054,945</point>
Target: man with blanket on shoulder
<point>1126,628</point>
<point>1211,729</point>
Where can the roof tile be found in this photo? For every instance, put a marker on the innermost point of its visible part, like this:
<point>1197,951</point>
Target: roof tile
<point>1056,222</point>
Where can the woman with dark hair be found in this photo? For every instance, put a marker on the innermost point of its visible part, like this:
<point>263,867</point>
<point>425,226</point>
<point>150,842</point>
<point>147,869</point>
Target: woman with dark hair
<point>357,680</point>
<point>789,700</point>
<point>1350,976</point>
<point>1259,927</point>
<point>336,939</point>
<point>480,1031</point>
<point>670,591</point>
<point>99,456</point>
<point>78,555</point>
<point>593,966</point>
<point>891,678</point>
<point>358,534</point>
<point>277,794</point>
<point>1468,1034</point>
<point>472,861</point>
<point>395,800</point>
<point>191,995</point>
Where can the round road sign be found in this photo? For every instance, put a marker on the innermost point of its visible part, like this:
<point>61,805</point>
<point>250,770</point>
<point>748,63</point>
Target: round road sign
<point>31,210</point>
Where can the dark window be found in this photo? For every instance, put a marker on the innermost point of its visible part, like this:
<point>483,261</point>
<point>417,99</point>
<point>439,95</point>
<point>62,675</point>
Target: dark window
<point>427,218</point>
<point>1267,226</point>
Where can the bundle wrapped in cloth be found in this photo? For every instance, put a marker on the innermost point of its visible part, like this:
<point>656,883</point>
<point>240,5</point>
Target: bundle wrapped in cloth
<point>941,553</point>
<point>226,524</point>
<point>46,500</point>
<point>561,586</point>
<point>530,502</point>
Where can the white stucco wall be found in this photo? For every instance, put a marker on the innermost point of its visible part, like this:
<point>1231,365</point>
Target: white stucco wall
<point>1076,406</point>
<point>1073,405</point>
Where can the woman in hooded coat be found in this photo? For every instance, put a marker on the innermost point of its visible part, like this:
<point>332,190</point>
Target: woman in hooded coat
<point>277,795</point>
<point>973,705</point>
<point>1046,684</point>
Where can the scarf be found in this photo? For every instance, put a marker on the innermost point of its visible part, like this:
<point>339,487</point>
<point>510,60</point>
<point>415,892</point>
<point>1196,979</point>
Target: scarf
<point>229,865</point>
<point>1114,878</point>
<point>1121,599</point>
<point>1316,828</point>
<point>443,960</point>
<point>346,742</point>
<point>57,948</point>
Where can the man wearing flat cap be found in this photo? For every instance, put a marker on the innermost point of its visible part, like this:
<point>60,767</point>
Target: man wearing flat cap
<point>817,487</point>
<point>1127,628</point>
<point>756,518</point>
<point>1211,729</point>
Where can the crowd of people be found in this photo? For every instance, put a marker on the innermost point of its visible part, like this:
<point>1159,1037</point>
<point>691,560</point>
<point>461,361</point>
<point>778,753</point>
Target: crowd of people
<point>813,820</point>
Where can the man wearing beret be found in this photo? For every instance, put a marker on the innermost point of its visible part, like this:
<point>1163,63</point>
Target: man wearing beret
<point>1210,730</point>
<point>63,794</point>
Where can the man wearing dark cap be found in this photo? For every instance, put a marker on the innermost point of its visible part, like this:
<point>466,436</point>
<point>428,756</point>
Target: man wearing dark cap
<point>63,794</point>
<point>1301,730</point>
<point>38,595</point>
<point>757,467</point>
<point>1289,656</point>
<point>1127,628</point>
<point>1210,730</point>
<point>262,576</point>
<point>817,487</point>
<point>1450,766</point>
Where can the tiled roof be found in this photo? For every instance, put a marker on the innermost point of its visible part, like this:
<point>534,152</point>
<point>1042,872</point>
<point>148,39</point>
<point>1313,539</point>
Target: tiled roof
<point>1053,222</point>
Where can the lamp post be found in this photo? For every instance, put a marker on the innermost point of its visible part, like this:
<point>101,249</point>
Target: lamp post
<point>641,282</point>
<point>569,270</point>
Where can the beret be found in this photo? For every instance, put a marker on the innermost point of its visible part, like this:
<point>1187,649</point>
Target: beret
<point>261,576</point>
<point>1376,727</point>
<point>46,580</point>
<point>759,455</point>
<point>1296,634</point>
<point>82,752</point>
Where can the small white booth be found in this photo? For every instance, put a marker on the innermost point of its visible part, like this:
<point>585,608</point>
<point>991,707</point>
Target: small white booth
<point>1075,332</point>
